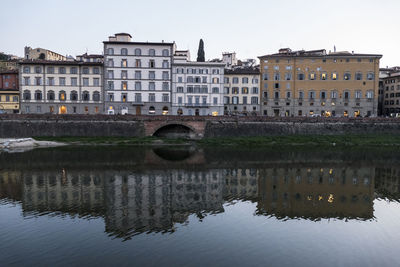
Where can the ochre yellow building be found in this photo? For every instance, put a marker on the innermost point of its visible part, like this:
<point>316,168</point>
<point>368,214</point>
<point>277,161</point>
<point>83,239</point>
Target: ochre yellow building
<point>316,83</point>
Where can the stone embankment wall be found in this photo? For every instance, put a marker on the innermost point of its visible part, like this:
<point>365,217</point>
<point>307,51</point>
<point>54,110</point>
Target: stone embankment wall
<point>17,125</point>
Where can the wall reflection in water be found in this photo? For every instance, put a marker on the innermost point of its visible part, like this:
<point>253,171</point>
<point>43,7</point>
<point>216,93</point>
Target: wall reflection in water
<point>133,200</point>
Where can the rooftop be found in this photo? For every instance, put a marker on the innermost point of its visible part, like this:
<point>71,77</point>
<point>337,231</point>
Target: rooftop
<point>254,71</point>
<point>56,62</point>
<point>287,52</point>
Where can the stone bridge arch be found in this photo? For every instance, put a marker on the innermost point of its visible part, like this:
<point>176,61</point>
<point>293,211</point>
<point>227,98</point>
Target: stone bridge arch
<point>175,129</point>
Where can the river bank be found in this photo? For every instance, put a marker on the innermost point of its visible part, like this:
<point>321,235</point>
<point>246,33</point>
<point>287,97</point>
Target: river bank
<point>26,143</point>
<point>267,141</point>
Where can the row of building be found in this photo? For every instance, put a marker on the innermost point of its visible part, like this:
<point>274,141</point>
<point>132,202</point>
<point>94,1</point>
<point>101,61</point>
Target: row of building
<point>154,78</point>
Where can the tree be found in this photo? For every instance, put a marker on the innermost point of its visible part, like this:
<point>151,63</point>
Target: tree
<point>201,57</point>
<point>3,56</point>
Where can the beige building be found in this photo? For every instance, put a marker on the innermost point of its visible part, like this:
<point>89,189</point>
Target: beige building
<point>316,83</point>
<point>241,91</point>
<point>41,53</point>
<point>62,87</point>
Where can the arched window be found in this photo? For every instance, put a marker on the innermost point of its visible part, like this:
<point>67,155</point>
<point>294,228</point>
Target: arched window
<point>96,96</point>
<point>85,96</point>
<point>152,52</point>
<point>323,95</point>
<point>62,96</point>
<point>165,53</point>
<point>138,52</point>
<point>50,95</point>
<point>124,51</point>
<point>152,110</point>
<point>110,51</point>
<point>179,112</point>
<point>74,96</point>
<point>165,111</point>
<point>38,95</point>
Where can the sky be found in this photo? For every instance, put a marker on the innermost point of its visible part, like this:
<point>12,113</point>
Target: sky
<point>251,28</point>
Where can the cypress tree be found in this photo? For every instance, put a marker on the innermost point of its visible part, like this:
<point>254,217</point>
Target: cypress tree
<point>201,57</point>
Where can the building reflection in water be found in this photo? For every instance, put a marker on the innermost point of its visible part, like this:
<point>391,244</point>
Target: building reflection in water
<point>154,200</point>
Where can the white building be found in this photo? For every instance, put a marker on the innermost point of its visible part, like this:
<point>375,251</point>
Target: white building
<point>197,87</point>
<point>62,87</point>
<point>137,76</point>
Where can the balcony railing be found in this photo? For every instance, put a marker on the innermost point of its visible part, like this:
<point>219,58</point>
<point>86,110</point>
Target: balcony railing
<point>200,105</point>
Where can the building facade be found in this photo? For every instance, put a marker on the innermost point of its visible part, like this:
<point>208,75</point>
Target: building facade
<point>62,87</point>
<point>197,87</point>
<point>241,91</point>
<point>9,91</point>
<point>137,76</point>
<point>315,83</point>
<point>42,54</point>
<point>389,91</point>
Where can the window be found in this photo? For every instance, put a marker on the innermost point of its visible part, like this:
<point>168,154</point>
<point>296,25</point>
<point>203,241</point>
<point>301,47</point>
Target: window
<point>138,86</point>
<point>254,100</point>
<point>323,95</point>
<point>152,97</point>
<point>346,95</point>
<point>347,76</point>
<point>96,96</point>
<point>138,75</point>
<point>235,80</point>
<point>27,70</point>
<point>124,85</point>
<point>74,96</point>
<point>226,79</point>
<point>265,95</point>
<point>245,80</point>
<point>124,51</point>
<point>96,82</point>
<point>204,79</point>
<point>165,64</point>
<point>288,76</point>
<point>27,81</point>
<point>110,74</point>
<point>124,97</point>
<point>245,90</point>
<point>265,76</point>
<point>358,76</point>
<point>370,76</point>
<point>138,52</point>
<point>61,70</point>
<point>215,90</point>
<point>152,52</point>
<point>110,85</point>
<point>152,75</point>
<point>124,63</point>
<point>27,95</point>
<point>312,76</point>
<point>110,63</point>
<point>61,81</point>
<point>245,100</point>
<point>323,76</point>
<point>276,95</point>
<point>334,76</point>
<point>110,97</point>
<point>215,101</point>
<point>152,86</point>
<point>276,85</point>
<point>85,81</point>
<point>74,81</point>
<point>255,80</point>
<point>138,97</point>
<point>62,96</point>
<point>215,80</point>
<point>277,76</point>
<point>165,97</point>
<point>254,90</point>
<point>38,70</point>
<point>235,100</point>
<point>50,81</point>
<point>358,94</point>
<point>226,100</point>
<point>333,94</point>
<point>215,71</point>
<point>300,76</point>
<point>165,53</point>
<point>288,95</point>
<point>165,86</point>
<point>38,81</point>
<point>96,70</point>
<point>138,63</point>
<point>50,95</point>
<point>312,95</point>
<point>301,95</point>
<point>235,90</point>
<point>110,51</point>
<point>124,74</point>
<point>85,96</point>
<point>165,75</point>
<point>179,89</point>
<point>74,70</point>
<point>38,95</point>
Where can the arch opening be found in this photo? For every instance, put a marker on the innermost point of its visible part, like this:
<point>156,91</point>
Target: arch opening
<point>175,131</point>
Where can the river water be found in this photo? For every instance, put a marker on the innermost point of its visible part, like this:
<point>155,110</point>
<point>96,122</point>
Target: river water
<point>184,206</point>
